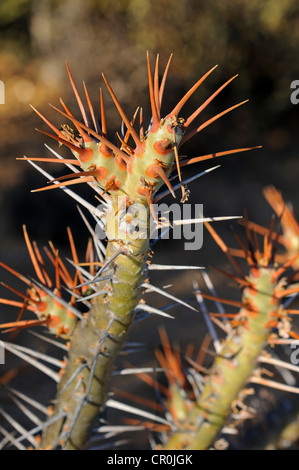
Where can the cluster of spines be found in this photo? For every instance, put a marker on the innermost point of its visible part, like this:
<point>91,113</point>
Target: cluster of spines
<point>135,170</point>
<point>262,319</point>
<point>43,298</point>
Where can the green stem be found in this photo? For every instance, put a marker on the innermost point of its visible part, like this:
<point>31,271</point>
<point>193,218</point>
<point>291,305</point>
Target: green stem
<point>97,339</point>
<point>232,368</point>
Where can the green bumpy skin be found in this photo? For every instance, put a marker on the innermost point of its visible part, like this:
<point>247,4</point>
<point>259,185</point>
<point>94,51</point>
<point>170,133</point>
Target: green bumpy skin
<point>234,364</point>
<point>60,320</point>
<point>139,175</point>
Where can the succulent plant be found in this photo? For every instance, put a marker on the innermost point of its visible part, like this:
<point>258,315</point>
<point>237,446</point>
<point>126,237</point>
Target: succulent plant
<point>110,282</point>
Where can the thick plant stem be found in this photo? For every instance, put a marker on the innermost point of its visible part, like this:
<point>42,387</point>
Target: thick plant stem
<point>97,339</point>
<point>233,366</point>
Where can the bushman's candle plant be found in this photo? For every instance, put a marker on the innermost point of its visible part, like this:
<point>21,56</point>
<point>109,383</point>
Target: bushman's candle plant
<point>110,282</point>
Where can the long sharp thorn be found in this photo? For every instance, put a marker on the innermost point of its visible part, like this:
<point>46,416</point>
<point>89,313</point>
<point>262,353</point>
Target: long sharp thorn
<point>205,104</point>
<point>80,104</point>
<point>107,263</point>
<point>58,344</point>
<point>92,296</point>
<point>159,170</point>
<point>35,404</point>
<point>67,183</point>
<point>15,303</point>
<point>162,267</point>
<point>30,415</point>
<point>149,309</point>
<point>150,203</point>
<point>97,243</point>
<point>95,122</point>
<point>19,325</point>
<point>127,135</point>
<point>61,140</point>
<point>176,154</point>
<point>249,241</point>
<point>156,86</point>
<point>103,118</point>
<point>73,376</point>
<point>89,256</point>
<point>203,308</point>
<point>71,175</point>
<point>60,300</point>
<point>275,242</point>
<point>50,160</point>
<point>33,257</point>
<point>235,303</point>
<point>122,113</point>
<point>137,370</point>
<point>36,429</point>
<point>292,311</point>
<point>223,247</point>
<point>54,128</point>
<point>71,193</point>
<point>18,427</point>
<point>188,180</point>
<point>189,93</point>
<point>131,409</point>
<point>26,297</point>
<point>235,278</point>
<point>257,248</point>
<point>150,288</point>
<point>46,370</point>
<point>85,137</point>
<point>162,86</point>
<point>15,273</point>
<point>200,220</point>
<point>262,230</point>
<point>82,270</point>
<point>190,134</point>
<point>57,275</point>
<point>212,290</point>
<point>141,129</point>
<point>152,95</point>
<point>42,264</point>
<point>278,362</point>
<point>64,272</point>
<point>215,155</point>
<point>287,292</point>
<point>283,268</point>
<point>95,134</point>
<point>268,239</point>
<point>273,384</point>
<point>22,311</point>
<point>124,146</point>
<point>74,252</point>
<point>240,243</point>
<point>8,437</point>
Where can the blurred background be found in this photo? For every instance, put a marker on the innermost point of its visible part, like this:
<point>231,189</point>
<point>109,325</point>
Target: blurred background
<point>257,40</point>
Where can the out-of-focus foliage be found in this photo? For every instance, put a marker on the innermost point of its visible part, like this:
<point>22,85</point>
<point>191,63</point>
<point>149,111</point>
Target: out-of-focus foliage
<point>13,10</point>
<point>259,37</point>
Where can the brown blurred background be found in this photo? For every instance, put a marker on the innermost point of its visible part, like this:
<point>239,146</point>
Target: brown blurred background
<point>258,40</point>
